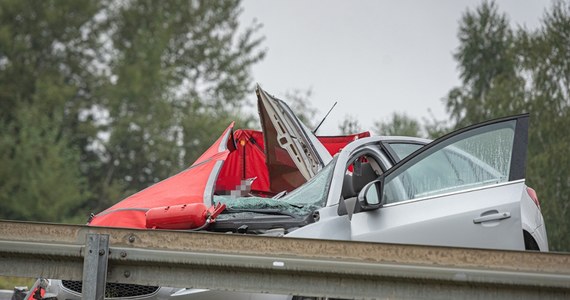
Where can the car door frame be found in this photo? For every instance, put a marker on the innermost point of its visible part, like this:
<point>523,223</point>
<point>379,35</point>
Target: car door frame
<point>516,177</point>
<point>518,156</point>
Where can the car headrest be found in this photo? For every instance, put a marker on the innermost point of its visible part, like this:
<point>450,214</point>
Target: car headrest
<point>347,189</point>
<point>367,174</point>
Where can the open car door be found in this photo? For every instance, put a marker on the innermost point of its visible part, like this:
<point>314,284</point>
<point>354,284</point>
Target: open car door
<point>293,152</point>
<point>463,189</point>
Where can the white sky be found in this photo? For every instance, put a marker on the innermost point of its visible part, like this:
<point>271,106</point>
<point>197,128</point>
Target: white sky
<point>373,57</point>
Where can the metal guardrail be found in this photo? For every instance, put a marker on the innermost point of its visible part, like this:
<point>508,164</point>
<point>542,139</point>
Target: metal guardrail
<point>244,263</point>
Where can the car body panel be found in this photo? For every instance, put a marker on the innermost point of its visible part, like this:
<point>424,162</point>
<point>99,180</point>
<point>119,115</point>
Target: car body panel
<point>449,222</point>
<point>373,143</point>
<point>294,154</point>
<point>447,218</point>
<point>57,288</point>
<point>540,237</point>
<point>130,212</point>
<point>462,217</point>
<point>533,222</point>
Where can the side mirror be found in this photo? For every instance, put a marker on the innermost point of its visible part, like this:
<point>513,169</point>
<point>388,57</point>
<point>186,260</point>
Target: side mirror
<point>370,195</point>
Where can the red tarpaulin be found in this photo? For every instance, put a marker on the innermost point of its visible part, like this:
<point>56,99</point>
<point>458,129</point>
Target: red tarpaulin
<point>335,143</point>
<point>248,161</point>
<point>196,184</point>
<point>188,186</point>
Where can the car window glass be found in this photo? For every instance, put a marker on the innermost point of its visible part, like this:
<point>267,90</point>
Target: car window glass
<point>301,201</point>
<point>404,149</point>
<point>314,192</point>
<point>475,158</point>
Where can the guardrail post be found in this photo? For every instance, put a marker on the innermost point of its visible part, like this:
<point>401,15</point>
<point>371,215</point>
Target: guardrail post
<point>95,266</point>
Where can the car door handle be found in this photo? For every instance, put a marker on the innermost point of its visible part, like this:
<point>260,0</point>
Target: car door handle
<point>492,217</point>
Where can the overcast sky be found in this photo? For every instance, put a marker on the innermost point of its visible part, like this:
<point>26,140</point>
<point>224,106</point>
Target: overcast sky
<point>373,57</point>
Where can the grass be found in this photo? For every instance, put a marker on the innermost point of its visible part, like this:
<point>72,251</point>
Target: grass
<point>8,283</point>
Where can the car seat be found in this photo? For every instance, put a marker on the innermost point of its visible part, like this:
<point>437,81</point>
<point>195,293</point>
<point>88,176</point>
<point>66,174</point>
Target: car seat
<point>367,174</point>
<point>351,186</point>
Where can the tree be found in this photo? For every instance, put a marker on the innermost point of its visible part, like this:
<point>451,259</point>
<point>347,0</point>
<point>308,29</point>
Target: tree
<point>349,125</point>
<point>178,74</point>
<point>300,103</point>
<point>40,176</point>
<point>108,96</point>
<point>435,128</point>
<point>203,125</point>
<point>504,73</point>
<point>545,57</point>
<point>398,124</point>
<point>486,61</point>
<point>43,79</point>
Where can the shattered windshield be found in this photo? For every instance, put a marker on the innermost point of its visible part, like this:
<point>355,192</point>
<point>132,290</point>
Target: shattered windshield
<point>300,202</point>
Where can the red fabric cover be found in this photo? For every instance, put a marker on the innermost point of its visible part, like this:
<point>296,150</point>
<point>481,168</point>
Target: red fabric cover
<point>247,161</point>
<point>121,218</point>
<point>335,143</point>
<point>188,186</point>
<point>185,187</point>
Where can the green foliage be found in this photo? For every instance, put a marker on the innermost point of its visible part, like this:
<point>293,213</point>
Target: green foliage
<point>350,125</point>
<point>299,102</point>
<point>179,71</point>
<point>103,98</point>
<point>546,61</point>
<point>506,73</point>
<point>41,57</point>
<point>204,125</point>
<point>434,128</point>
<point>35,158</point>
<point>9,282</point>
<point>398,124</point>
<point>486,61</point>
